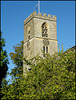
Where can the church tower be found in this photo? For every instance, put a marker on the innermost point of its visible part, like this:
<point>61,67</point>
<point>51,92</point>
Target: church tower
<point>40,33</point>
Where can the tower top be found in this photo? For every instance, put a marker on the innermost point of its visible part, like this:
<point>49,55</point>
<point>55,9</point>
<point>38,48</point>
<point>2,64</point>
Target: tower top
<point>40,16</point>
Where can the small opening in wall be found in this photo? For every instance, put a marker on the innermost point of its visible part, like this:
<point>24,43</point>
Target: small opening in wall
<point>29,37</point>
<point>45,51</point>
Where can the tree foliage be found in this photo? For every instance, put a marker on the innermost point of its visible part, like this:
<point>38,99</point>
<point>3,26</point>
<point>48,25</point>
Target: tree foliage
<point>3,60</point>
<point>52,77</point>
<point>16,57</point>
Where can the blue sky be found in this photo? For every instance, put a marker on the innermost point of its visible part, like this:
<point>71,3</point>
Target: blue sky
<point>13,14</point>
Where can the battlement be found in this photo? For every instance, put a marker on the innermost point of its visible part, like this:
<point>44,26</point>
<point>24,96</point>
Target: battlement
<point>40,16</point>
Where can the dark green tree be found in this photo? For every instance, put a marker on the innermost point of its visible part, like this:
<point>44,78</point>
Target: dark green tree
<point>3,60</point>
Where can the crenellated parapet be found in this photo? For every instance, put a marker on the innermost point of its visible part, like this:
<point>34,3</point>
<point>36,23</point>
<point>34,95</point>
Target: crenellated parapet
<point>40,16</point>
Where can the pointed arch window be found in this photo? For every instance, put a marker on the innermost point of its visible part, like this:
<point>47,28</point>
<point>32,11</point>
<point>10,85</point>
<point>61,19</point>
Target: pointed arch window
<point>44,30</point>
<point>45,50</point>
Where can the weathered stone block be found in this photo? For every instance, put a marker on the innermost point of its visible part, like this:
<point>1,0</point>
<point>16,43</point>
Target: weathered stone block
<point>45,15</point>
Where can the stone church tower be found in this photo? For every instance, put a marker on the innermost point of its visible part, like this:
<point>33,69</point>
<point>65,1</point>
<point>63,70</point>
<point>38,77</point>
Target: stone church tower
<point>40,33</point>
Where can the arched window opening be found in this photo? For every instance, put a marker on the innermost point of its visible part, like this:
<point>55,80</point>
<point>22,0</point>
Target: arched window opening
<point>45,51</point>
<point>44,30</point>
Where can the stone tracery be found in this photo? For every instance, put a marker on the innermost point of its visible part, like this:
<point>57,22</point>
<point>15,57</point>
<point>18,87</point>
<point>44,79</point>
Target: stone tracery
<point>44,30</point>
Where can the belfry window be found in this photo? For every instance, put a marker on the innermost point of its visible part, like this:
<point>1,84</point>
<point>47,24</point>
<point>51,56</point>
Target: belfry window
<point>44,30</point>
<point>45,50</point>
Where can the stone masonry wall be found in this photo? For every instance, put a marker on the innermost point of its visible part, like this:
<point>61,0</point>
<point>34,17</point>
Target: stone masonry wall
<point>34,45</point>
